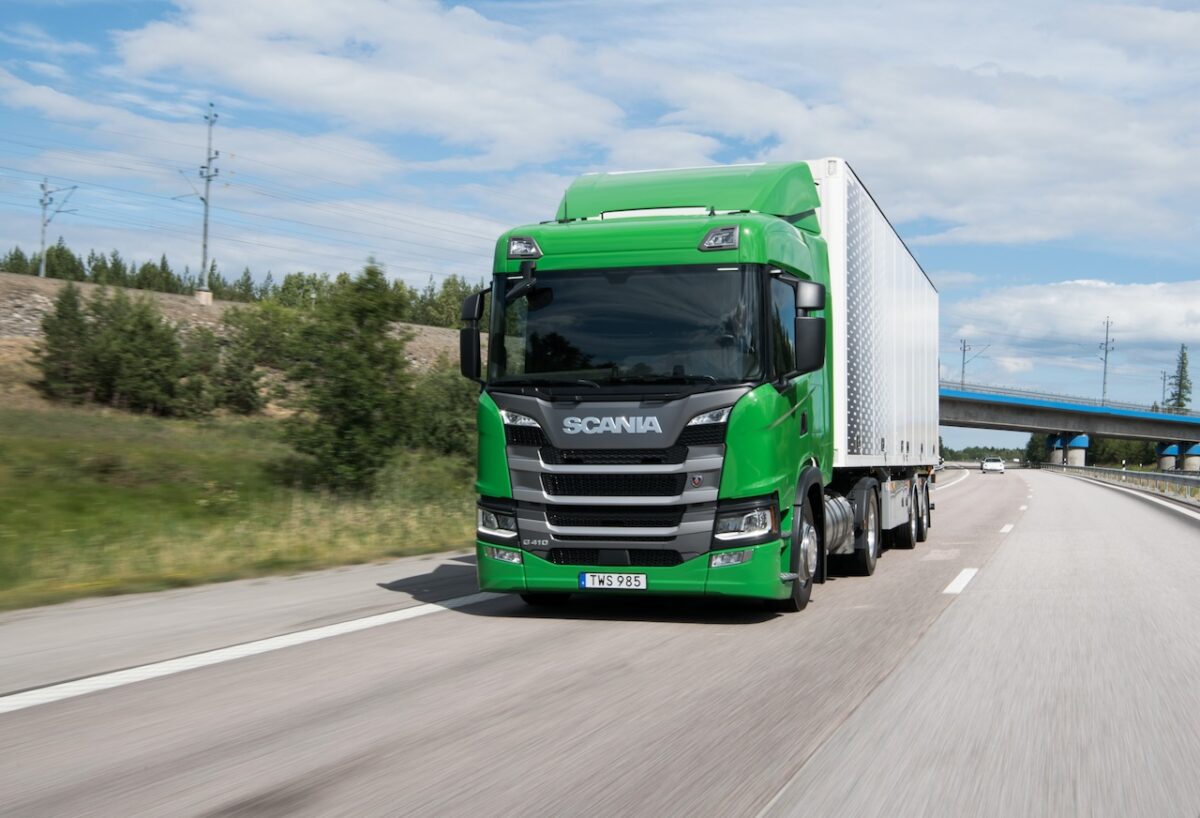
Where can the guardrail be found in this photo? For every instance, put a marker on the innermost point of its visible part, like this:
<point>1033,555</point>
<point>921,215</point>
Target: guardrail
<point>1054,396</point>
<point>1176,485</point>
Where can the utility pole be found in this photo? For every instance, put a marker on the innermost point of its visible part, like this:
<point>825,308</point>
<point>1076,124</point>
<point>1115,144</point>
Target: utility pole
<point>208,172</point>
<point>1106,347</point>
<point>1163,372</point>
<point>47,200</point>
<point>965,347</point>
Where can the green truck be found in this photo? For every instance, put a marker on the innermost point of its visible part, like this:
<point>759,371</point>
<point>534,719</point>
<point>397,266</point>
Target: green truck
<point>702,382</point>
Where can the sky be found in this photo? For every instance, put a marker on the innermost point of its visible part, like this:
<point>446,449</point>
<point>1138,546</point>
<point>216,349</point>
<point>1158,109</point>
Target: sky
<point>1040,159</point>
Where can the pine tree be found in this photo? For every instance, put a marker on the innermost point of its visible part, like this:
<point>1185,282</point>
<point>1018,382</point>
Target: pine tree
<point>355,382</point>
<point>17,262</point>
<point>63,354</point>
<point>1180,382</point>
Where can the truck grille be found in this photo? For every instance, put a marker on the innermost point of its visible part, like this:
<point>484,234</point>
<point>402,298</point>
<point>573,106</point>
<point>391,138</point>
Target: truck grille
<point>614,485</point>
<point>614,517</point>
<point>614,457</point>
<point>705,434</point>
<point>524,436</point>
<point>634,557</point>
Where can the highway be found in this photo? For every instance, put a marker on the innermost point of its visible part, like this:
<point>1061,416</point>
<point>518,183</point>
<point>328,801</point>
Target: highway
<point>1038,656</point>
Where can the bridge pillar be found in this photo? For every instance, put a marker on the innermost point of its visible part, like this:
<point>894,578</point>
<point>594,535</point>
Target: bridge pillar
<point>1077,446</point>
<point>1191,458</point>
<point>1054,451</point>
<point>1167,454</point>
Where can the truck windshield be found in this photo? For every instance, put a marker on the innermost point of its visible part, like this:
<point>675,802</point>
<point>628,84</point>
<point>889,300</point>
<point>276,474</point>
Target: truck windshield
<point>646,325</point>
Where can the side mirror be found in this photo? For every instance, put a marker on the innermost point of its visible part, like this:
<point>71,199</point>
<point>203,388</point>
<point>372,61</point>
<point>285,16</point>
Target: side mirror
<point>470,362</point>
<point>472,307</point>
<point>810,343</point>
<point>469,359</point>
<point>810,296</point>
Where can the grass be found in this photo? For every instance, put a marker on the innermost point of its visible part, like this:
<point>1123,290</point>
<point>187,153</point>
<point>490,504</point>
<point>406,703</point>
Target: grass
<point>97,502</point>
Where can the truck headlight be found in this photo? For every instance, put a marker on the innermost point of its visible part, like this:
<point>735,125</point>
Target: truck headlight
<point>504,555</point>
<point>496,523</point>
<point>723,558</point>
<point>751,524</point>
<point>515,419</point>
<point>715,416</point>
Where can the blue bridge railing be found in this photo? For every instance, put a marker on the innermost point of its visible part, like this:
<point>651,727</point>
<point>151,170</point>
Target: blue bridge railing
<point>1012,392</point>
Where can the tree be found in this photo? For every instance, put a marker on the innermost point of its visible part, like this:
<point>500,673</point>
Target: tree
<point>239,380</point>
<point>135,357</point>
<point>62,263</point>
<point>243,289</point>
<point>17,262</point>
<point>447,404</point>
<point>62,356</point>
<point>355,382</point>
<point>1180,383</point>
<point>198,393</point>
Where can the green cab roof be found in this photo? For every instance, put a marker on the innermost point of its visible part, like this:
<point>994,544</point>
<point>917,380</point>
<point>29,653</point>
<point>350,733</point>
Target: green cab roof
<point>777,190</point>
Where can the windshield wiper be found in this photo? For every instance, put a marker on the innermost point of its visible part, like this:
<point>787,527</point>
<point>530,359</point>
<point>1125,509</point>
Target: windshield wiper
<point>664,379</point>
<point>546,382</point>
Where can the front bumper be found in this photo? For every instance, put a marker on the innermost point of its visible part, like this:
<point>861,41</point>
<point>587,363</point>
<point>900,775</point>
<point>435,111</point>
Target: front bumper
<point>758,578</point>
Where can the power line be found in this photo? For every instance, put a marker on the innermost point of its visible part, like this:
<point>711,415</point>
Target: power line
<point>962,380</point>
<point>47,200</point>
<point>1106,347</point>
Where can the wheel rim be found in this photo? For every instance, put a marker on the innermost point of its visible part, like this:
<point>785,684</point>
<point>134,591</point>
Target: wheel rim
<point>912,517</point>
<point>808,547</point>
<point>871,535</point>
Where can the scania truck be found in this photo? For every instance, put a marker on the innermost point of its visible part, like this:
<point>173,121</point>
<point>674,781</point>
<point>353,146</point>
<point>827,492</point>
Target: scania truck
<point>703,381</point>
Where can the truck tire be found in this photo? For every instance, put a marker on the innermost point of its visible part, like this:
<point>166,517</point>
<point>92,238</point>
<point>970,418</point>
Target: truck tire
<point>806,530</point>
<point>868,537</point>
<point>905,536</point>
<point>545,600</point>
<point>923,519</point>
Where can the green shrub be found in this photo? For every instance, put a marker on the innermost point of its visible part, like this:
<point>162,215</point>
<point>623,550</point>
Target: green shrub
<point>354,381</point>
<point>444,405</point>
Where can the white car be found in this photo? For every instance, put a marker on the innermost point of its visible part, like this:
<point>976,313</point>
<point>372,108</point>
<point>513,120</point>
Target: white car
<point>992,464</point>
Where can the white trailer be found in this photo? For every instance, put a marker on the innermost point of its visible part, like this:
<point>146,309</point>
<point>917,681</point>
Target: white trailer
<point>884,312</point>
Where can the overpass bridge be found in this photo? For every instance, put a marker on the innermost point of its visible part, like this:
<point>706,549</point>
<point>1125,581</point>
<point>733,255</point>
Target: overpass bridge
<point>1072,420</point>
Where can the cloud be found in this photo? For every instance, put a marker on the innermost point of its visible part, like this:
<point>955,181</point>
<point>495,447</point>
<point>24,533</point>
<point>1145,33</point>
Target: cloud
<point>1012,364</point>
<point>33,38</point>
<point>47,69</point>
<point>1143,315</point>
<point>497,98</point>
<point>950,279</point>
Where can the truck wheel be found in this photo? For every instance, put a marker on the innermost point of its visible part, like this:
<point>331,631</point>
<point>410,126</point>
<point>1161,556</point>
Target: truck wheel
<point>870,537</point>
<point>923,518</point>
<point>545,600</point>
<point>905,536</point>
<point>807,543</point>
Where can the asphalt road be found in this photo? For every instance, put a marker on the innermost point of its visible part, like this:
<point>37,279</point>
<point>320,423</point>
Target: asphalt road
<point>1063,680</point>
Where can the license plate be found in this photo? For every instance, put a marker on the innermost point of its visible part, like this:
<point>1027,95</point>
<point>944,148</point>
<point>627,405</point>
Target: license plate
<point>617,582</point>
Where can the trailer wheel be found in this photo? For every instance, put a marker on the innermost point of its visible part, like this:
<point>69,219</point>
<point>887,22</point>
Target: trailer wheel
<point>545,600</point>
<point>905,536</point>
<point>923,519</point>
<point>806,543</point>
<point>869,537</point>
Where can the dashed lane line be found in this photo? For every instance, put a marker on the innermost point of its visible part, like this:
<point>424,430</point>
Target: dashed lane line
<point>960,581</point>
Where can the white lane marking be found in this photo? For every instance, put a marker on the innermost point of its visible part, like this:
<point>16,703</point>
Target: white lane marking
<point>1184,511</point>
<point>960,581</point>
<point>1024,508</point>
<point>118,678</point>
<point>965,475</point>
<point>1007,528</point>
